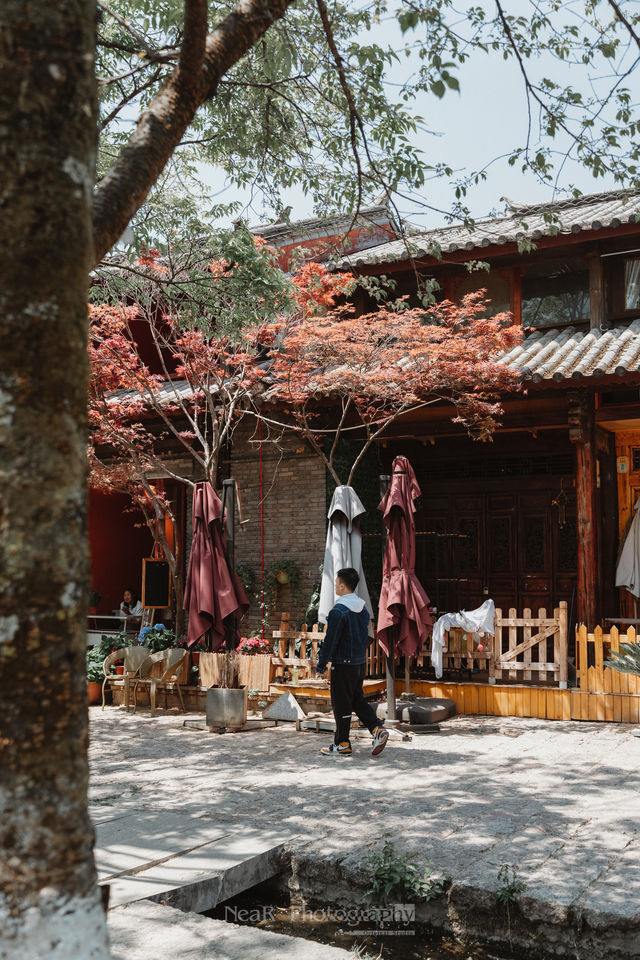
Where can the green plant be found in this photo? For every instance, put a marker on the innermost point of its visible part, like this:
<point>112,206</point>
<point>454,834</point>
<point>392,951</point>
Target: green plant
<point>287,567</point>
<point>509,890</point>
<point>94,598</point>
<point>158,637</point>
<point>248,578</point>
<point>313,604</point>
<point>95,660</point>
<point>626,659</point>
<point>393,875</point>
<point>110,642</point>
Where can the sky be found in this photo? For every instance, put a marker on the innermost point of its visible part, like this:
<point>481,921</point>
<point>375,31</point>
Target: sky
<point>467,130</point>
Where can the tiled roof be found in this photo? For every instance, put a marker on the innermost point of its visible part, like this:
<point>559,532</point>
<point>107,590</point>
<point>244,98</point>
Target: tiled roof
<point>593,212</point>
<point>570,354</point>
<point>320,227</point>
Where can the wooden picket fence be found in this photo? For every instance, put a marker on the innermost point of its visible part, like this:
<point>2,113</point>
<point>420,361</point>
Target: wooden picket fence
<point>592,652</point>
<point>528,649</point>
<point>531,648</point>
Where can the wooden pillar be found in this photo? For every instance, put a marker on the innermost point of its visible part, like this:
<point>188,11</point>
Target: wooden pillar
<point>515,293</point>
<point>582,434</point>
<point>596,291</point>
<point>608,511</point>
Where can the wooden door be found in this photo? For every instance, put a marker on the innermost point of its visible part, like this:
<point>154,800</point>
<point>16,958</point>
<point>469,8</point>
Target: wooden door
<point>535,557</point>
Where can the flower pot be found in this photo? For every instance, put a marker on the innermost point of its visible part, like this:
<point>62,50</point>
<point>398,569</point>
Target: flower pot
<point>226,708</point>
<point>120,669</point>
<point>195,657</point>
<point>94,690</point>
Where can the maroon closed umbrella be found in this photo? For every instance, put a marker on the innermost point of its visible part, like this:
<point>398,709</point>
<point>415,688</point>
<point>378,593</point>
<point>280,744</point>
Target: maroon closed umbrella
<point>212,591</point>
<point>404,620</point>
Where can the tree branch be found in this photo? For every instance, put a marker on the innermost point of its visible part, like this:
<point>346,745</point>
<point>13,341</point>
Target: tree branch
<point>161,127</point>
<point>621,17</point>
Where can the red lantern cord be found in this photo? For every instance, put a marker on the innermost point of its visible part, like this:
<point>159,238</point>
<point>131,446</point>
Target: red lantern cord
<point>261,530</point>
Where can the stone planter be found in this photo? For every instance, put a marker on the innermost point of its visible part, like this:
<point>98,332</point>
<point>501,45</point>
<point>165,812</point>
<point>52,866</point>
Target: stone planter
<point>226,708</point>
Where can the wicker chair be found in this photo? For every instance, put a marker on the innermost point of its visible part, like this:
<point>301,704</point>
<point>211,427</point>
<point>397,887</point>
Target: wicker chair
<point>173,659</point>
<point>133,658</point>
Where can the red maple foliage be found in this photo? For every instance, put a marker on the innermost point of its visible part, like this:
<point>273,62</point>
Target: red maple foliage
<point>338,374</point>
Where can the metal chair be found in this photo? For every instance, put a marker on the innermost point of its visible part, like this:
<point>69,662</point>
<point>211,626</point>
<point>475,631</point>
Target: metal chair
<point>173,658</point>
<point>133,658</point>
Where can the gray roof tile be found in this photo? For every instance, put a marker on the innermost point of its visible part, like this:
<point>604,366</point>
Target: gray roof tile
<point>593,212</point>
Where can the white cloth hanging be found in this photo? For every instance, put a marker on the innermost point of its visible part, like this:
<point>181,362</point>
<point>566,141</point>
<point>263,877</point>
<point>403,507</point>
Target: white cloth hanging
<point>343,549</point>
<point>628,569</point>
<point>478,622</point>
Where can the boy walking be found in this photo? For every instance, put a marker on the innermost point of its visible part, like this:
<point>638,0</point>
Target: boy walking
<point>345,645</point>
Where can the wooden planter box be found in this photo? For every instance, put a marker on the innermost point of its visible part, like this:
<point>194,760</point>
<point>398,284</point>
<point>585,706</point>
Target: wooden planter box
<point>255,672</point>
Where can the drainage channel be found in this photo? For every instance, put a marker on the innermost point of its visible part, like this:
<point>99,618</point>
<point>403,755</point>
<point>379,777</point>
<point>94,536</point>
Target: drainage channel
<point>363,930</point>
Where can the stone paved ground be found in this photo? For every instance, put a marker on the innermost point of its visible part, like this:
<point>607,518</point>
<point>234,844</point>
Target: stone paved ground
<point>560,801</point>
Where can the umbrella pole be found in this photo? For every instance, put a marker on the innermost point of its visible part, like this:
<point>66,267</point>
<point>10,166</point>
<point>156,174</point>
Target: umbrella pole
<point>391,680</point>
<point>229,518</point>
<point>407,674</point>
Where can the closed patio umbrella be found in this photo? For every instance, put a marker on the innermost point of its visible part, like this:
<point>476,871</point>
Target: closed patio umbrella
<point>628,569</point>
<point>213,591</point>
<point>404,620</point>
<point>343,548</point>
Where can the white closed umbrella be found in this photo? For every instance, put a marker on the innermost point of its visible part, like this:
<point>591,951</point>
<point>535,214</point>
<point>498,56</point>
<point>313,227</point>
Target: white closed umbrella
<point>628,569</point>
<point>343,548</point>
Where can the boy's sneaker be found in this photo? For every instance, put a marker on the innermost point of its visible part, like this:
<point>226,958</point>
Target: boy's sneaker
<point>380,737</point>
<point>336,750</point>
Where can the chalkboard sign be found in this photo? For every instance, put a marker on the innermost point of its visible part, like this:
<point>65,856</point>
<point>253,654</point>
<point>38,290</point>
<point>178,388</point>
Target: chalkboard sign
<point>156,583</point>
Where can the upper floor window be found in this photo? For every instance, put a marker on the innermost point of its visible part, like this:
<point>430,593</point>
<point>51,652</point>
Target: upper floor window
<point>497,287</point>
<point>632,284</point>
<point>555,293</point>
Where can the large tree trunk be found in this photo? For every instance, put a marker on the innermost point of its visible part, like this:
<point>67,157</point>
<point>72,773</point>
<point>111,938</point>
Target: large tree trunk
<point>49,902</point>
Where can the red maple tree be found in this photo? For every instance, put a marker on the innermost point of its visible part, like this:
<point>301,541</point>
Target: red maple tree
<point>337,374</point>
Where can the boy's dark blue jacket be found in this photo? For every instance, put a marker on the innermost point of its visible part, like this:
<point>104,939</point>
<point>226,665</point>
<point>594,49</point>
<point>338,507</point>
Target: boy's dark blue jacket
<point>347,637</point>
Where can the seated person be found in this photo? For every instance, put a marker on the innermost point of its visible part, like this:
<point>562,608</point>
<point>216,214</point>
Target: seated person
<point>131,608</point>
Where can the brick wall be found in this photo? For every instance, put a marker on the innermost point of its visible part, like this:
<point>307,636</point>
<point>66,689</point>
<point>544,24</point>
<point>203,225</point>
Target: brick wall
<point>294,485</point>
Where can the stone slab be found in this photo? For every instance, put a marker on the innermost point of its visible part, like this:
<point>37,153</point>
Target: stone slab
<point>200,879</point>
<point>148,931</point>
<point>143,838</point>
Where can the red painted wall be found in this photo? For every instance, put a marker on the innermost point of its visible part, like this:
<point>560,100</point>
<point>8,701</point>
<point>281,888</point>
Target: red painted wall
<point>117,544</point>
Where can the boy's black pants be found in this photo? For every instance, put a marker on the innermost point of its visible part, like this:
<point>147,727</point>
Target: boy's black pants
<point>347,698</point>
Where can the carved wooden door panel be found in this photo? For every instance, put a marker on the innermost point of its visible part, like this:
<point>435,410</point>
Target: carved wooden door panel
<point>500,555</point>
<point>535,558</point>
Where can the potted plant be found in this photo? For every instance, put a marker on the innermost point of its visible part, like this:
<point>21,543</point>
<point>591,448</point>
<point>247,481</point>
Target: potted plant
<point>255,663</point>
<point>158,637</point>
<point>94,601</point>
<point>252,646</point>
<point>227,701</point>
<point>95,674</point>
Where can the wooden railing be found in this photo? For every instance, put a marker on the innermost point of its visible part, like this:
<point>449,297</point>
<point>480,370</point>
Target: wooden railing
<point>592,651</point>
<point>530,648</point>
<point>295,648</point>
<point>527,649</point>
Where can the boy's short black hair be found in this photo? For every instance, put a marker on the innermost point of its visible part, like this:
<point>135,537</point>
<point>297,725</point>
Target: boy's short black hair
<point>350,578</point>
